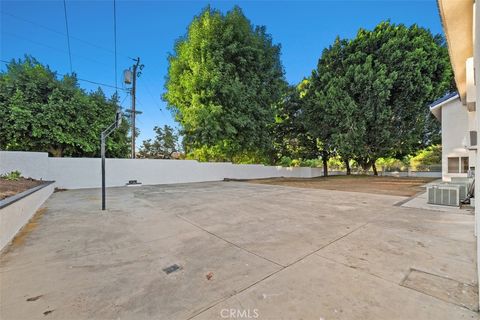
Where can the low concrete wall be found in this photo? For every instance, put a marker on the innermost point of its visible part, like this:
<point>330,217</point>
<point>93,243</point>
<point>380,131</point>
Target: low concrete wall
<point>425,174</point>
<point>76,173</point>
<point>417,174</point>
<point>15,215</point>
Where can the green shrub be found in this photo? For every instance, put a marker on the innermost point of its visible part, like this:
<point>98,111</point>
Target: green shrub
<point>336,163</point>
<point>391,164</point>
<point>11,176</point>
<point>312,163</point>
<point>296,163</point>
<point>427,159</point>
<point>285,161</point>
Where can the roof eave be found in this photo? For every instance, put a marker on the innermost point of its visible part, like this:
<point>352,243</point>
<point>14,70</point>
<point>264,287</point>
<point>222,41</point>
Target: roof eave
<point>436,109</point>
<point>457,21</point>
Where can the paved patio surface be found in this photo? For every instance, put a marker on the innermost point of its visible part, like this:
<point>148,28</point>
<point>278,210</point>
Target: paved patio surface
<point>245,251</point>
<point>420,202</point>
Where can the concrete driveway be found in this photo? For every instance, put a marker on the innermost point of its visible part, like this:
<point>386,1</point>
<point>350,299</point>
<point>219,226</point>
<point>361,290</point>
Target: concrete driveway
<point>243,251</point>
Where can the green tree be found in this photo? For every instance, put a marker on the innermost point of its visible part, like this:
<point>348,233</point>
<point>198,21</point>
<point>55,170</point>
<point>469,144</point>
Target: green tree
<point>42,113</point>
<point>320,119</point>
<point>410,68</point>
<point>291,137</point>
<point>370,93</point>
<point>224,78</point>
<point>162,147</point>
<point>326,105</point>
<point>426,159</point>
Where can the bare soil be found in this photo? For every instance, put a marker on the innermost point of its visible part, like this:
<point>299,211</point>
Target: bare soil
<point>406,187</point>
<point>9,188</point>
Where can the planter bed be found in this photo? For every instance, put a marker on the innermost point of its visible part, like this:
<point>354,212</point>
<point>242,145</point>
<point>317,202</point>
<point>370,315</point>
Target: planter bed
<point>18,209</point>
<point>10,188</point>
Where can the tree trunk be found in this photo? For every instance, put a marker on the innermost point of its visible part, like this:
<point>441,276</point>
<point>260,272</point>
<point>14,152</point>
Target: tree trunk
<point>364,164</point>
<point>347,166</point>
<point>325,164</point>
<point>374,167</point>
<point>56,152</point>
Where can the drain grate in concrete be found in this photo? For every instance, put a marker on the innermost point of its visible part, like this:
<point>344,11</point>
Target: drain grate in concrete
<point>446,289</point>
<point>172,268</point>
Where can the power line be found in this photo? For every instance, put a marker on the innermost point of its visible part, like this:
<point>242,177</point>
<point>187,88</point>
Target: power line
<point>99,83</point>
<point>52,48</point>
<point>68,34</point>
<point>125,98</point>
<point>83,80</point>
<point>57,32</point>
<point>151,95</point>
<point>115,37</point>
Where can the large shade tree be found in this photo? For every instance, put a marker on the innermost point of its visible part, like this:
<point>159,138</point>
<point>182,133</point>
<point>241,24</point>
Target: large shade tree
<point>40,112</point>
<point>291,136</point>
<point>224,78</point>
<point>379,85</point>
<point>327,107</point>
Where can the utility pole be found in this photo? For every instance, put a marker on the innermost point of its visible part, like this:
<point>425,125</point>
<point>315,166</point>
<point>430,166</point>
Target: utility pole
<point>134,84</point>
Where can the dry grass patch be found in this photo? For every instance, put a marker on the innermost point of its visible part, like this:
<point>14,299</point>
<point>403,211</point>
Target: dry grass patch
<point>406,187</point>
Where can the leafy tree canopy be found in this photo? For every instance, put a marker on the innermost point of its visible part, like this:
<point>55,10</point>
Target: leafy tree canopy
<point>369,95</point>
<point>223,79</point>
<point>42,113</point>
<point>162,147</point>
<point>291,137</point>
<point>426,158</point>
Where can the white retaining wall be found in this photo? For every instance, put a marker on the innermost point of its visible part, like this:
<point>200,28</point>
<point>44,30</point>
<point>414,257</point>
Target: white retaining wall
<point>15,215</point>
<point>76,173</point>
<point>30,164</point>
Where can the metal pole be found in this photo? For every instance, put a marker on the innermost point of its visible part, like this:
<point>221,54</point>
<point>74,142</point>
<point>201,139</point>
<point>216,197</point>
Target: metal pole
<point>103,169</point>
<point>134,87</point>
<point>103,138</point>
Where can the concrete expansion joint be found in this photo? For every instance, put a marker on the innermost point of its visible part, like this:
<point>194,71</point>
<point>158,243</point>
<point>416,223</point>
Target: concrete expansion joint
<point>283,267</point>
<point>330,243</point>
<point>227,241</point>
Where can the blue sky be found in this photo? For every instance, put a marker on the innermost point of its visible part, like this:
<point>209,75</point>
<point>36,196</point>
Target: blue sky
<point>148,29</point>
